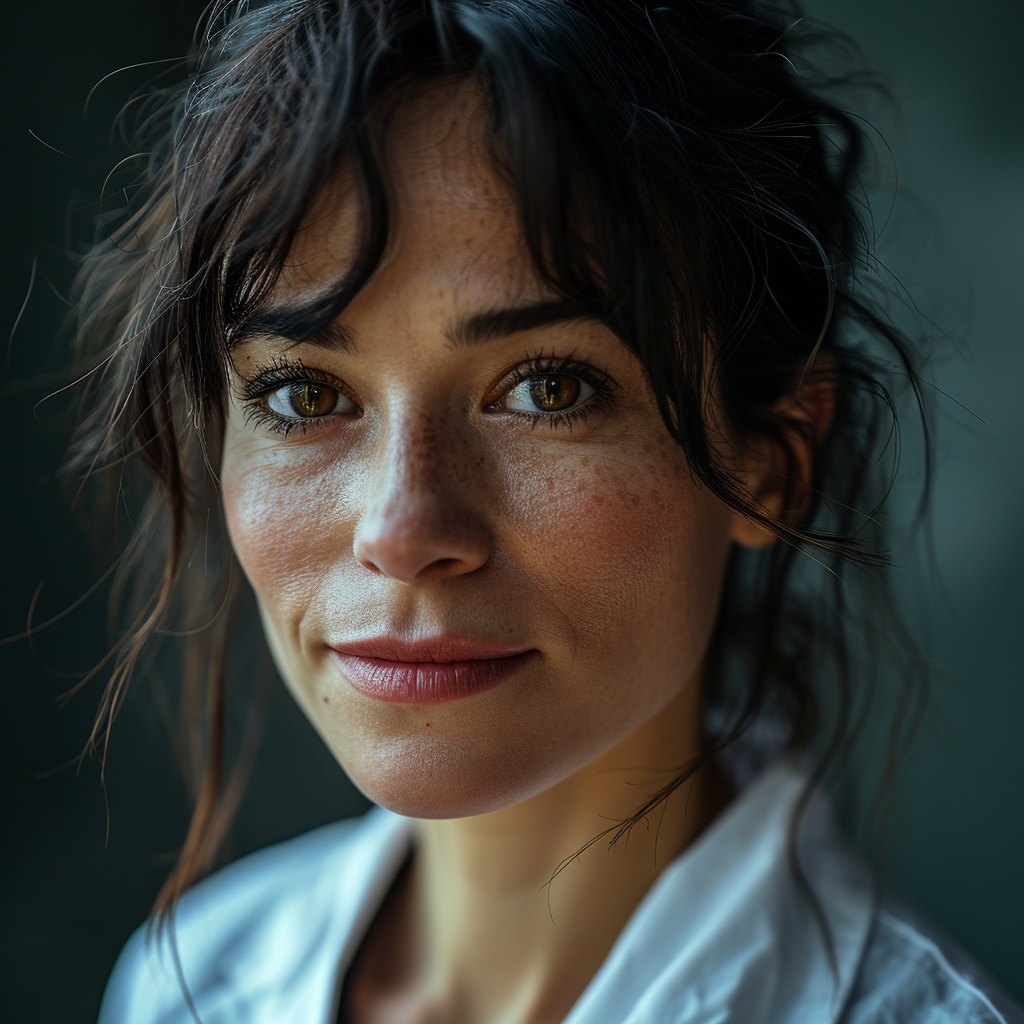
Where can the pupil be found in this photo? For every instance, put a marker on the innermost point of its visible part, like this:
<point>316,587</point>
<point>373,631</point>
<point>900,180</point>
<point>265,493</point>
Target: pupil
<point>554,393</point>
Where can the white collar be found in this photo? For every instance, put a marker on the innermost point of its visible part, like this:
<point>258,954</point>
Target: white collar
<point>725,933</point>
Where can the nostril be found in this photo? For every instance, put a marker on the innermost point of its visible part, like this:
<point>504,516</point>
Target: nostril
<point>367,564</point>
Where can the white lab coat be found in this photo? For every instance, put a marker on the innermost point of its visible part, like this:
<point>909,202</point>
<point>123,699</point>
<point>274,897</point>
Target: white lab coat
<point>724,934</point>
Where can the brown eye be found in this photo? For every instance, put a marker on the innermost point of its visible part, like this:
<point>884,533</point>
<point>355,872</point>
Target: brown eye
<point>308,399</point>
<point>312,399</point>
<point>553,392</point>
<point>548,393</point>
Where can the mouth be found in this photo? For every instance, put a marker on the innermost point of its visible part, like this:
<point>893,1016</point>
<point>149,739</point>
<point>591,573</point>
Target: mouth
<point>429,671</point>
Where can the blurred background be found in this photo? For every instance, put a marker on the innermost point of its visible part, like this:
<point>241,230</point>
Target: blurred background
<point>71,893</point>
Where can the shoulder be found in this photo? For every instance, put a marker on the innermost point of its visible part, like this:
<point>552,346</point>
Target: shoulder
<point>910,974</point>
<point>265,924</point>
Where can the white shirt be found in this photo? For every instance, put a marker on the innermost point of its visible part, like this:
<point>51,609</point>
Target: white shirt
<point>724,934</point>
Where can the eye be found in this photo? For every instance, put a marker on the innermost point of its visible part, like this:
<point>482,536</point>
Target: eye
<point>549,392</point>
<point>308,400</point>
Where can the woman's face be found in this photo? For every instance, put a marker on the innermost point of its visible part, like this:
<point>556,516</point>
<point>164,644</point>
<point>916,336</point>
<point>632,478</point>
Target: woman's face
<point>458,473</point>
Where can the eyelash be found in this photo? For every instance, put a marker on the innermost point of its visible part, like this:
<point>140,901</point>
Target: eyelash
<point>281,372</point>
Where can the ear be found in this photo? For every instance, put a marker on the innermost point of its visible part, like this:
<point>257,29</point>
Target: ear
<point>778,470</point>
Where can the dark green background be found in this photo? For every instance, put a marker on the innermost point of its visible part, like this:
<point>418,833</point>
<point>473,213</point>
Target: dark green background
<point>954,845</point>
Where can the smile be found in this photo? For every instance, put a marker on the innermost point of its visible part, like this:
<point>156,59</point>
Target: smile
<point>430,671</point>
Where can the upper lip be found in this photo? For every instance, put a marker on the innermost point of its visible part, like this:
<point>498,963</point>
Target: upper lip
<point>428,649</point>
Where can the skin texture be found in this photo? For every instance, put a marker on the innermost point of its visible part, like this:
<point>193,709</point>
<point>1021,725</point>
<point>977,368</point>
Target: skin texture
<point>425,505</point>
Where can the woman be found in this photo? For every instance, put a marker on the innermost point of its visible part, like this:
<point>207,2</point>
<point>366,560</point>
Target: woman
<point>514,354</point>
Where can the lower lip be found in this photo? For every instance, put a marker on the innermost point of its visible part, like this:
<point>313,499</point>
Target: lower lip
<point>426,682</point>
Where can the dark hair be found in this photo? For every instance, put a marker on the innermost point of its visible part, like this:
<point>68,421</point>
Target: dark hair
<point>679,177</point>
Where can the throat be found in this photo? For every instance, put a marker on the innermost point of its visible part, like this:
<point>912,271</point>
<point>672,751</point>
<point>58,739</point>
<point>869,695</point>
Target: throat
<point>509,920</point>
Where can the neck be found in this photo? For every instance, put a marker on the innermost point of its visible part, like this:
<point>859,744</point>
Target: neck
<point>507,916</point>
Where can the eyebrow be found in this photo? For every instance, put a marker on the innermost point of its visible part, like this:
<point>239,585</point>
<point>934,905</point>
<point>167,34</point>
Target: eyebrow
<point>500,323</point>
<point>298,325</point>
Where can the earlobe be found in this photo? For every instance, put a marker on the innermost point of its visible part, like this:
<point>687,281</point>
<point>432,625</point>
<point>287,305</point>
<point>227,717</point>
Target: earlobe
<point>750,534</point>
<point>771,488</point>
<point>778,470</point>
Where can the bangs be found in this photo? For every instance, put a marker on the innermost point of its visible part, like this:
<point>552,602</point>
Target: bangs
<point>558,132</point>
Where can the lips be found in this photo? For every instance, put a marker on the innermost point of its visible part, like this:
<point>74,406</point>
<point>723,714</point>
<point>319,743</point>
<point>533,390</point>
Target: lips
<point>429,671</point>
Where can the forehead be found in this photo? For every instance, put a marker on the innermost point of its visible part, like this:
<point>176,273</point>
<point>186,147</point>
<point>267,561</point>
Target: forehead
<point>449,212</point>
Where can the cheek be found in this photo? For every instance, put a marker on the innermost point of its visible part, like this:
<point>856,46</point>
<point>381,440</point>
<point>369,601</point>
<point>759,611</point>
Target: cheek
<point>629,552</point>
<point>287,524</point>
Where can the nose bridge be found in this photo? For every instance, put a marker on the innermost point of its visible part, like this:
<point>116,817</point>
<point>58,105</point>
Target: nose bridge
<point>419,515</point>
<point>414,452</point>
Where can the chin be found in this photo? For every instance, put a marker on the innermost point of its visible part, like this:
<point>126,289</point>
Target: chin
<point>440,779</point>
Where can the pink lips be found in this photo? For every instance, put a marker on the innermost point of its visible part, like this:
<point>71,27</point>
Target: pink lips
<point>428,671</point>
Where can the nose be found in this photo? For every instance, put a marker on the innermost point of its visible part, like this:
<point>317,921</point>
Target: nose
<point>421,516</point>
